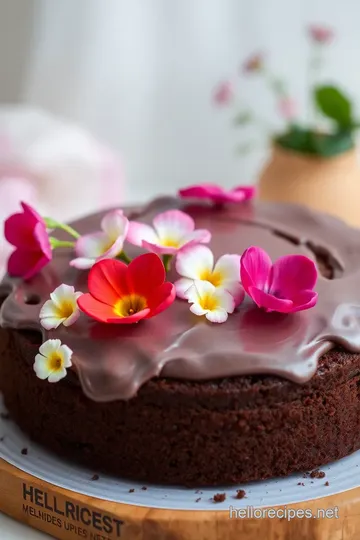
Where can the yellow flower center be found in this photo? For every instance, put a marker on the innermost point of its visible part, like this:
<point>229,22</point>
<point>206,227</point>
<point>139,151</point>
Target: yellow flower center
<point>66,309</point>
<point>208,302</point>
<point>213,277</point>
<point>55,361</point>
<point>170,242</point>
<point>128,305</point>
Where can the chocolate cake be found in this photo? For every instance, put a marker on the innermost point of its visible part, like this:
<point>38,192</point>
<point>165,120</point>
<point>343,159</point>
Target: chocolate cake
<point>178,400</point>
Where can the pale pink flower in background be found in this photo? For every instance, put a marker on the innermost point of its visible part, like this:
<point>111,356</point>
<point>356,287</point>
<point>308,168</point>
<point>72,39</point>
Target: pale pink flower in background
<point>224,93</point>
<point>172,231</point>
<point>287,108</point>
<point>105,244</point>
<point>253,63</point>
<point>321,34</point>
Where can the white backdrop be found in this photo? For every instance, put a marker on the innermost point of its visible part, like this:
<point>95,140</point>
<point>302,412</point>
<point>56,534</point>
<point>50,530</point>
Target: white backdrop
<point>140,73</point>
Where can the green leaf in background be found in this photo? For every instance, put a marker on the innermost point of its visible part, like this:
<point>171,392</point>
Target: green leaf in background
<point>242,118</point>
<point>306,141</point>
<point>334,104</point>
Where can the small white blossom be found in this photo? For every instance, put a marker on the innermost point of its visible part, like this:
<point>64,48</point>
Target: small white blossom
<point>52,360</point>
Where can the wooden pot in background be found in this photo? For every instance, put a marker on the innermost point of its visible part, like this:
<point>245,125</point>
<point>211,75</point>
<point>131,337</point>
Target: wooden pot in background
<point>330,185</point>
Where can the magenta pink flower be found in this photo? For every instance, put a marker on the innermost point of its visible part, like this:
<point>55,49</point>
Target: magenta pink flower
<point>224,93</point>
<point>321,34</point>
<point>287,108</point>
<point>254,63</point>
<point>285,286</point>
<point>27,232</point>
<point>172,231</point>
<point>218,194</point>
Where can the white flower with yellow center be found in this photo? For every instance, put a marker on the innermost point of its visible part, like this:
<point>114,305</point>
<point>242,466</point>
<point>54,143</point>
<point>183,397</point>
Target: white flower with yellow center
<point>196,263</point>
<point>206,299</point>
<point>62,308</point>
<point>52,361</point>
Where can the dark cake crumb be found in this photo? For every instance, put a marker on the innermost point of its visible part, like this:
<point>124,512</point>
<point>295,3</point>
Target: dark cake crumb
<point>198,491</point>
<point>219,497</point>
<point>199,499</point>
<point>95,477</point>
<point>131,490</point>
<point>240,493</point>
<point>317,474</point>
<point>326,484</point>
<point>5,416</point>
<point>144,488</point>
<point>301,484</point>
<point>2,438</point>
<point>24,451</point>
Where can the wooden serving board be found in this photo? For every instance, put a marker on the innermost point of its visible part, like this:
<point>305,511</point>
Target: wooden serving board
<point>68,515</point>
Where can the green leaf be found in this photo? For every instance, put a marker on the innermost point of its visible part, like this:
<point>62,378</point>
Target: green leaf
<point>306,141</point>
<point>243,117</point>
<point>334,104</point>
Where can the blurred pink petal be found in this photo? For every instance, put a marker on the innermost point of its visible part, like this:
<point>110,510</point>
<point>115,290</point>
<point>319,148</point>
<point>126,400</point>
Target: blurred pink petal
<point>285,286</point>
<point>287,108</point>
<point>224,93</point>
<point>218,194</point>
<point>321,34</point>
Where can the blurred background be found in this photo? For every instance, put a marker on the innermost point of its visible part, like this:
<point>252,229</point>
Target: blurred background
<point>106,103</point>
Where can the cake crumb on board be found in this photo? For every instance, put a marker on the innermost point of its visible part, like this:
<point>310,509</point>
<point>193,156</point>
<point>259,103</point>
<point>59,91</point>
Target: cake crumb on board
<point>24,451</point>
<point>240,493</point>
<point>95,477</point>
<point>317,474</point>
<point>219,497</point>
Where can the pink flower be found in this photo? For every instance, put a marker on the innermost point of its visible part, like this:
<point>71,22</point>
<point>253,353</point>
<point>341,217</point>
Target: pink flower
<point>285,286</point>
<point>218,194</point>
<point>321,34</point>
<point>254,63</point>
<point>287,108</point>
<point>173,231</point>
<point>105,244</point>
<point>27,232</point>
<point>224,93</point>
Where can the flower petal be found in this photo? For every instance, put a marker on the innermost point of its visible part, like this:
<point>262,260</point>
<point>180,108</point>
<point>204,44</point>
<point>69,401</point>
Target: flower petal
<point>159,250</point>
<point>304,300</point>
<point>182,285</point>
<point>255,266</point>
<point>196,261</point>
<point>217,315</point>
<point>49,347</point>
<point>196,309</point>
<point>50,323</point>
<point>161,299</point>
<point>236,290</point>
<point>138,232</point>
<point>82,263</point>
<point>173,224</point>
<point>61,294</point>
<point>115,224</point>
<point>57,375</point>
<point>66,354</point>
<point>292,274</point>
<point>42,238</point>
<point>203,191</point>
<point>228,267</point>
<point>26,264</point>
<point>73,318</point>
<point>225,300</point>
<point>145,273</point>
<point>204,288</point>
<point>270,302</point>
<point>92,245</point>
<point>40,367</point>
<point>105,313</point>
<point>108,281</point>
<point>248,192</point>
<point>199,236</point>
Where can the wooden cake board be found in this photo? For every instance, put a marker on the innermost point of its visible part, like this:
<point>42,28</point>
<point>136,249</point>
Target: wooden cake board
<point>68,515</point>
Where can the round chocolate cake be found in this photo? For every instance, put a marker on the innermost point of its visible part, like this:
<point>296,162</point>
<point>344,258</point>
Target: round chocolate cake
<point>176,399</point>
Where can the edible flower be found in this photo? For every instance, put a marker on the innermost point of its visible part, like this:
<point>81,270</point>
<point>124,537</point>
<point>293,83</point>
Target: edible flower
<point>26,231</point>
<point>224,93</point>
<point>62,307</point>
<point>207,300</point>
<point>52,361</point>
<point>105,244</point>
<point>196,263</point>
<point>285,286</point>
<point>218,194</point>
<point>172,231</point>
<point>124,294</point>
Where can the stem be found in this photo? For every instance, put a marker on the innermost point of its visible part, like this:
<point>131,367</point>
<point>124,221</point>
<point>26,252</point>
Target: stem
<point>167,262</point>
<point>123,257</point>
<point>55,243</point>
<point>52,224</point>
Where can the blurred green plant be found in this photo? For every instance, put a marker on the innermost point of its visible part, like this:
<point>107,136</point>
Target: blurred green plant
<point>326,102</point>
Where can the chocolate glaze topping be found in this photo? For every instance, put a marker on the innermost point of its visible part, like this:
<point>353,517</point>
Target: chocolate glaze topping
<point>113,361</point>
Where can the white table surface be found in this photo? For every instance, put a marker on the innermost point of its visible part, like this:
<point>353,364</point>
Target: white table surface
<point>13,530</point>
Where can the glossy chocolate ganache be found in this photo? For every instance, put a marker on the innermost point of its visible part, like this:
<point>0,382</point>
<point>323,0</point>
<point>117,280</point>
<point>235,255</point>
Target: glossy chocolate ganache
<point>113,361</point>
